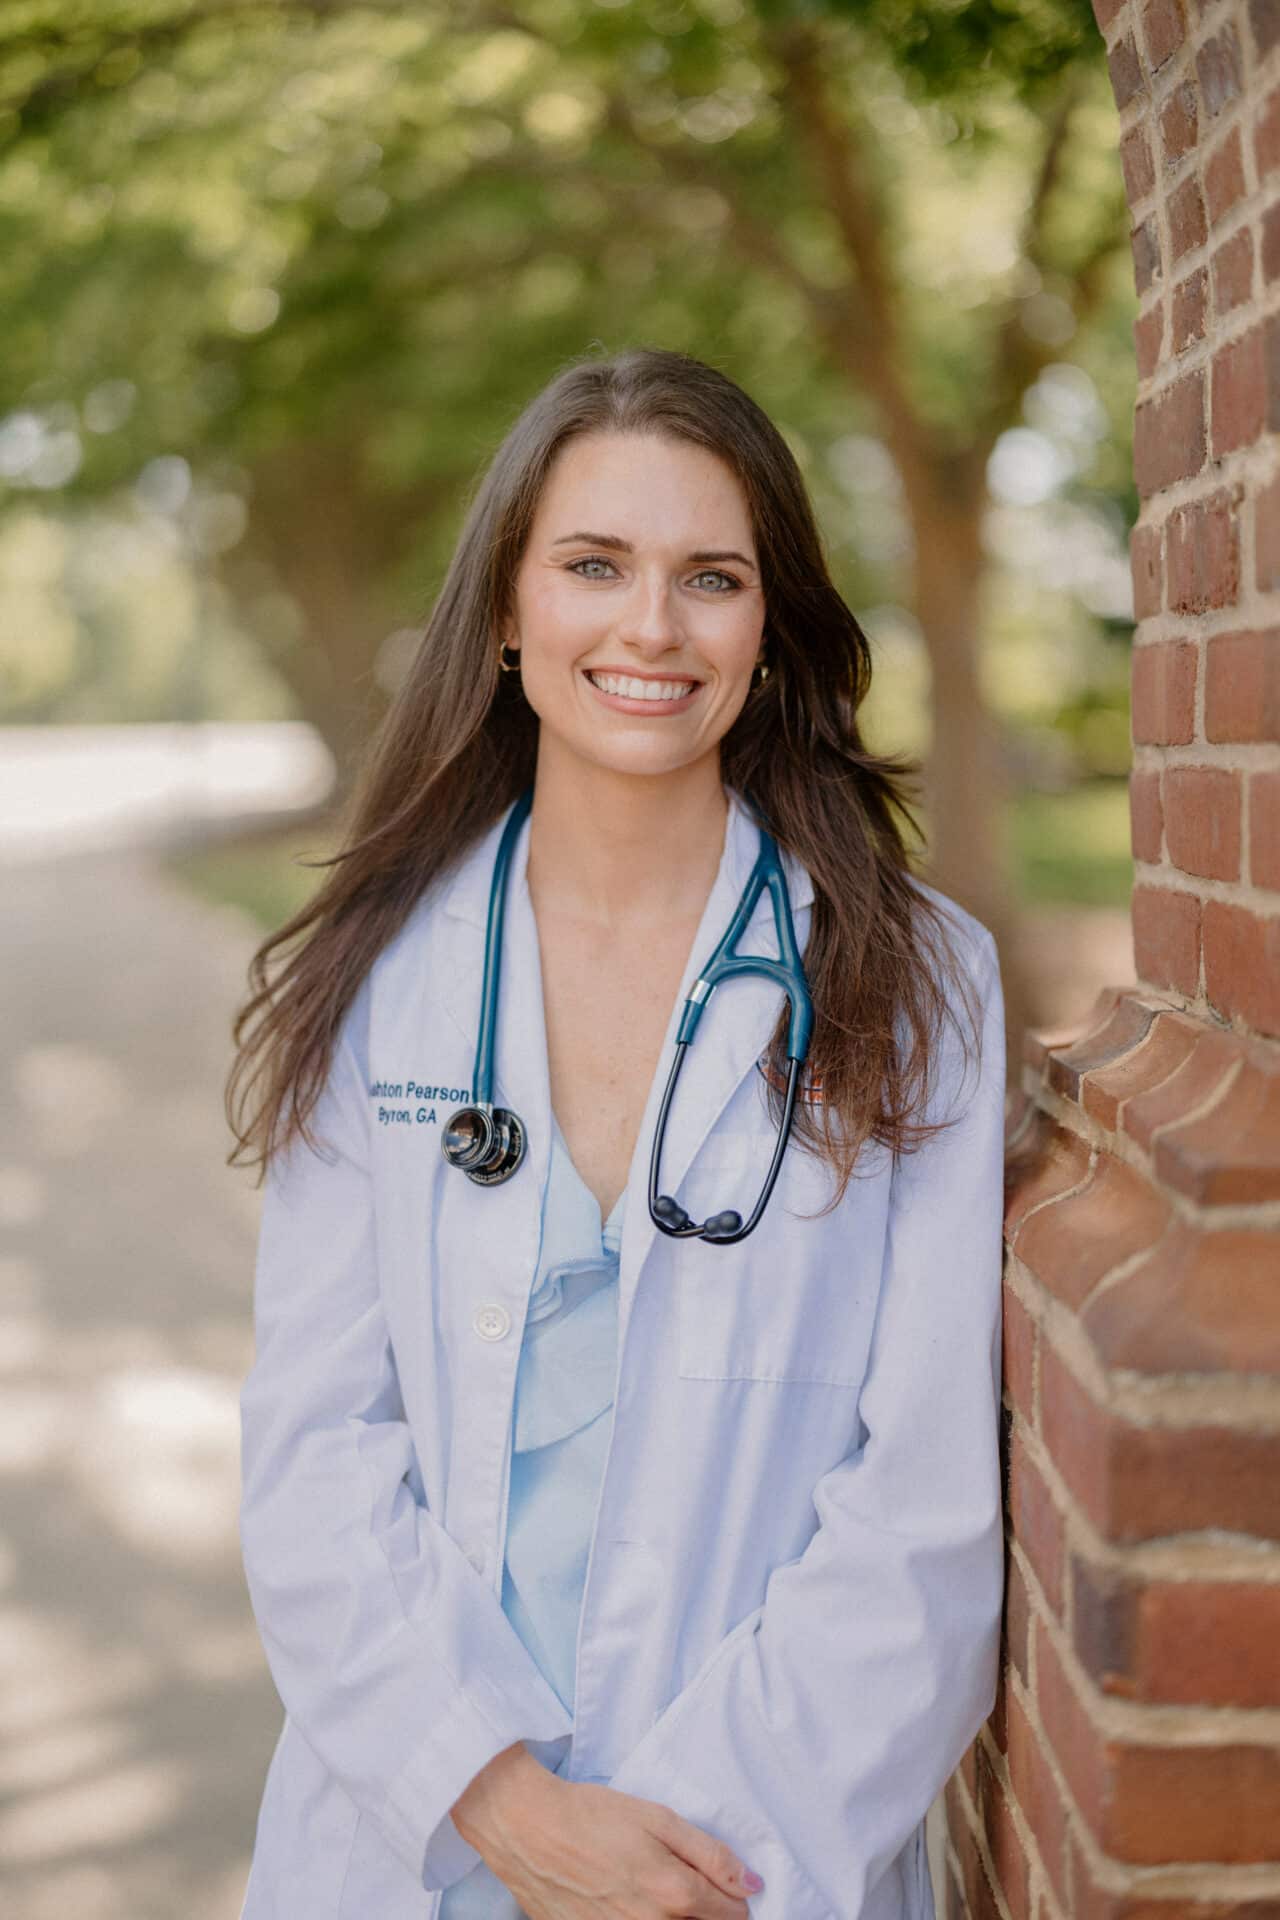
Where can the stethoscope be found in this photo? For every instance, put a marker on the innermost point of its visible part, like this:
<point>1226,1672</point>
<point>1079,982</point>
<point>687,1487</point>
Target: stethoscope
<point>488,1142</point>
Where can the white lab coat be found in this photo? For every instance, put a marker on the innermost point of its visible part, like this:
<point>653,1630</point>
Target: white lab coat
<point>790,1625</point>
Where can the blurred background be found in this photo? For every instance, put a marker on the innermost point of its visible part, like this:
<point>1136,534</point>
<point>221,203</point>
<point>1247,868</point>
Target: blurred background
<point>275,278</point>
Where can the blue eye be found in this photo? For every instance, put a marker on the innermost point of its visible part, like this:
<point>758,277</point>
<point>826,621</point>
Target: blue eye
<point>598,560</point>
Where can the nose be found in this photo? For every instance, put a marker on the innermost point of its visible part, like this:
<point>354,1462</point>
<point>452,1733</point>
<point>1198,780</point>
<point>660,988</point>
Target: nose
<point>648,624</point>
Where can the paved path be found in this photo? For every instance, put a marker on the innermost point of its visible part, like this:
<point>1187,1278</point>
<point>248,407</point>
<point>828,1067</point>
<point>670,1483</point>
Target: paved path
<point>136,1712</point>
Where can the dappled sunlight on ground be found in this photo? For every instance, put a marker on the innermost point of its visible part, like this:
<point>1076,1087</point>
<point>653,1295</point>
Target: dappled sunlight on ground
<point>137,1716</point>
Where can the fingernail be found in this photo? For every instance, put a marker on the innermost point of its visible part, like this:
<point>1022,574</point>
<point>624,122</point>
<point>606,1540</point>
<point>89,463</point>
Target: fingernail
<point>751,1881</point>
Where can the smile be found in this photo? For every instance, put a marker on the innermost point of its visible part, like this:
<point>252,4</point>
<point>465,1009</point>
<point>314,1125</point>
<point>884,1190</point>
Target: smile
<point>623,686</point>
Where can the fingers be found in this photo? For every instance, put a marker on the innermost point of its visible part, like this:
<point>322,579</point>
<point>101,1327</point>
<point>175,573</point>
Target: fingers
<point>687,1895</point>
<point>715,1860</point>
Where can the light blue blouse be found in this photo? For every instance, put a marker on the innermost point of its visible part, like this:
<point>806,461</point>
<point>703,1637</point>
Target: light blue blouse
<point>562,1417</point>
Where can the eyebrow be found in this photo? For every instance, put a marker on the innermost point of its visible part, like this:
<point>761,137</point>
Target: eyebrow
<point>618,545</point>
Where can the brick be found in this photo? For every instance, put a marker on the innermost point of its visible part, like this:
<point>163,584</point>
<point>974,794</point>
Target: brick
<point>1144,245</point>
<point>1039,1042</point>
<point>1270,245</point>
<point>1202,820</point>
<point>1214,1056</point>
<point>1208,1642</point>
<point>1104,1615</point>
<point>1264,830</point>
<point>1037,1793</point>
<point>1179,1642</point>
<point>1238,392</point>
<point>1146,815</point>
<point>1129,1900</point>
<point>1154,1804</point>
<point>1163,30</point>
<point>1141,1483</point>
<point>1145,542</point>
<point>1178,123</point>
<point>1188,222</point>
<point>1271,359</point>
<point>980,1901</point>
<point>1037,1522</point>
<point>1189,310</point>
<point>1163,692</point>
<point>1205,1300</point>
<point>1218,68</point>
<point>1117,1023</point>
<point>1242,963</point>
<point>1008,1860</point>
<point>1169,434</point>
<point>1017,1620</point>
<point>1242,685</point>
<point>1073,1243</point>
<point>1019,1343</point>
<point>1203,553</point>
<point>1166,937</point>
<point>1224,177</point>
<point>1107,1092</point>
<point>1126,71</point>
<point>996,1720</point>
<point>1264,24</point>
<point>1228,1155</point>
<point>1266,535</point>
<point>968,1772</point>
<point>1137,165</point>
<point>1148,334</point>
<point>1233,273</point>
<point>1060,1161</point>
<point>1266,135</point>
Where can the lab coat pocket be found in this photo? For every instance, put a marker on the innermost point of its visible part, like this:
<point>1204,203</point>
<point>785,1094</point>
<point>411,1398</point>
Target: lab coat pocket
<point>785,1303</point>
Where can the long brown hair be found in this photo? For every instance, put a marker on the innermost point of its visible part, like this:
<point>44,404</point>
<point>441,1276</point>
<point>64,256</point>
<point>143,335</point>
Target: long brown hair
<point>458,743</point>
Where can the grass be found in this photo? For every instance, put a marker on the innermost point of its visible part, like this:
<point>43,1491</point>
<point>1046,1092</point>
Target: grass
<point>1069,849</point>
<point>1073,848</point>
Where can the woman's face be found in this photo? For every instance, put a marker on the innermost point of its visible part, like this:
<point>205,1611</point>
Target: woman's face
<point>639,611</point>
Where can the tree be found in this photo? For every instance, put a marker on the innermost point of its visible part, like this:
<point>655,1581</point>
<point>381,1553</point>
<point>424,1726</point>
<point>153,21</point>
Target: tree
<point>334,247</point>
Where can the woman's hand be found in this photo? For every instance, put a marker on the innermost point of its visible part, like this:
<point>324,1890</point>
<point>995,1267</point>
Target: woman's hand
<point>571,1850</point>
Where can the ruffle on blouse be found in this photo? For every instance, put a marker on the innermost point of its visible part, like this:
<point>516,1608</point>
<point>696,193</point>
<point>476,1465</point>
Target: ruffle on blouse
<point>568,1356</point>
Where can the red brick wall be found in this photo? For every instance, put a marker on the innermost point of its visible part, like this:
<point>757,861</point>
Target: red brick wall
<point>1132,1763</point>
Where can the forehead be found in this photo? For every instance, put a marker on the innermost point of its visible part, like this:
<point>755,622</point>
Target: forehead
<point>644,487</point>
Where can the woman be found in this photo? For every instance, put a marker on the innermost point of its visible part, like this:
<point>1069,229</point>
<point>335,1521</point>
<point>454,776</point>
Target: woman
<point>602,1569</point>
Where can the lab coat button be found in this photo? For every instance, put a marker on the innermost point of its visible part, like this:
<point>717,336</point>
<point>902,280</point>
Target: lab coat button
<point>491,1322</point>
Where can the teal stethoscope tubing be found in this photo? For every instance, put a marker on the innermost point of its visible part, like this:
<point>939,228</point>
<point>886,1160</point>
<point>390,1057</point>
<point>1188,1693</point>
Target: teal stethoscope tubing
<point>489,1143</point>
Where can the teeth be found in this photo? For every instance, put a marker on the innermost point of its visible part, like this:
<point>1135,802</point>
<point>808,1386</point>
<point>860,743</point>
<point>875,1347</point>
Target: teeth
<point>632,689</point>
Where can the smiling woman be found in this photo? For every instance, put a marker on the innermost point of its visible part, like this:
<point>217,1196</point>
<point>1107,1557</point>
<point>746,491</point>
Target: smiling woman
<point>615,1561</point>
<point>640,620</point>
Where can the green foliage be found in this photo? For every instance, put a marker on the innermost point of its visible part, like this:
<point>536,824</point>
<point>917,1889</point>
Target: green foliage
<point>231,232</point>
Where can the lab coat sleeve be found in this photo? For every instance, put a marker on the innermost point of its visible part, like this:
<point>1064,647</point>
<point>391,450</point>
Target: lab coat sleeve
<point>820,1729</point>
<point>390,1652</point>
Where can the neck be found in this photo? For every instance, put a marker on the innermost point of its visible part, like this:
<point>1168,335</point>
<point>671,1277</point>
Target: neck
<point>622,849</point>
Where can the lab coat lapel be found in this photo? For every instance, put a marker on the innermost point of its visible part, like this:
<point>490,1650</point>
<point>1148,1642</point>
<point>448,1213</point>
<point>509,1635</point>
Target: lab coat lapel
<point>521,1076</point>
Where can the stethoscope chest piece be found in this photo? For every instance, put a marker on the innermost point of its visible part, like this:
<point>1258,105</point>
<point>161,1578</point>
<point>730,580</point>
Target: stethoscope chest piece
<point>486,1142</point>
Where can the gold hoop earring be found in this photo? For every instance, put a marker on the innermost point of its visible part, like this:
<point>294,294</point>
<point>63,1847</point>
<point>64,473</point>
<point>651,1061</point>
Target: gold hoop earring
<point>508,666</point>
<point>762,668</point>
